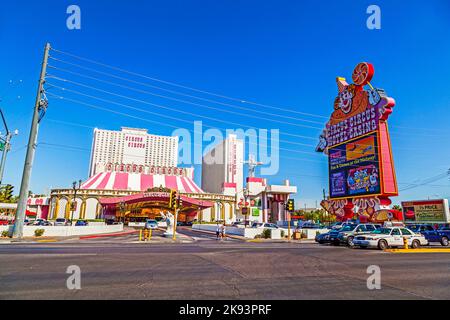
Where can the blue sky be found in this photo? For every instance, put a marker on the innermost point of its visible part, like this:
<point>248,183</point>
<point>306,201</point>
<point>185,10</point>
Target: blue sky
<point>280,53</point>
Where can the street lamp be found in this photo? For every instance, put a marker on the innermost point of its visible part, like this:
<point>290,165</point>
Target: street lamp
<point>74,203</point>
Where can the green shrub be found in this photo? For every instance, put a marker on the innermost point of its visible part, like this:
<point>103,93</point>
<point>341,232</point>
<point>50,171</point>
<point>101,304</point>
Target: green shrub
<point>5,234</point>
<point>39,232</point>
<point>283,234</point>
<point>266,234</point>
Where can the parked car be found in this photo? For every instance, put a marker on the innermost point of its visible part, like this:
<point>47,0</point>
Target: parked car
<point>441,235</point>
<point>335,233</point>
<point>42,223</point>
<point>62,222</point>
<point>310,225</point>
<point>264,225</point>
<point>336,226</point>
<point>347,236</point>
<point>81,223</point>
<point>238,224</point>
<point>323,238</point>
<point>151,224</point>
<point>110,222</point>
<point>384,238</point>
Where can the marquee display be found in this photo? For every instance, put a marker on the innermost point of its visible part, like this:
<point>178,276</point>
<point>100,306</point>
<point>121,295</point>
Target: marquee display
<point>356,140</point>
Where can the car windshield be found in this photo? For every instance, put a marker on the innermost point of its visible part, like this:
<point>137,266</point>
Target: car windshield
<point>382,231</point>
<point>347,228</point>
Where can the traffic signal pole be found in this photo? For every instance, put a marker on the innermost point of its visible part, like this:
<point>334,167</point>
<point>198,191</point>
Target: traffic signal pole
<point>6,147</point>
<point>31,149</point>
<point>5,152</point>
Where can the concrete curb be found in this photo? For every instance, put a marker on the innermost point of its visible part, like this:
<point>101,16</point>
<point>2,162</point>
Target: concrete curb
<point>108,235</point>
<point>423,250</point>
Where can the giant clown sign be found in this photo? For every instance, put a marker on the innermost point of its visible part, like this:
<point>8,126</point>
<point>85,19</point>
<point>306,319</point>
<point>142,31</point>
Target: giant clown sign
<point>356,140</point>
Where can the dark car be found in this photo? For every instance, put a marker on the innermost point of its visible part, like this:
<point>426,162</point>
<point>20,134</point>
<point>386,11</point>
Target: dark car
<point>334,234</point>
<point>441,235</point>
<point>81,223</point>
<point>323,238</point>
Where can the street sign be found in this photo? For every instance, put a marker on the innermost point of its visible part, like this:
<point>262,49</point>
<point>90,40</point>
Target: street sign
<point>245,211</point>
<point>2,146</point>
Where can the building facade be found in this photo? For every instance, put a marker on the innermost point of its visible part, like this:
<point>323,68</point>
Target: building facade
<point>222,167</point>
<point>131,147</point>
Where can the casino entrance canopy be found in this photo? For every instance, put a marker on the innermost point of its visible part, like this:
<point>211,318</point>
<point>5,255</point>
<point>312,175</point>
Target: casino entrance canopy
<point>150,203</point>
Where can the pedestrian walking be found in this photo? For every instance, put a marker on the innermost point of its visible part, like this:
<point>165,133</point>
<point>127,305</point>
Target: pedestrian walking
<point>217,231</point>
<point>222,233</point>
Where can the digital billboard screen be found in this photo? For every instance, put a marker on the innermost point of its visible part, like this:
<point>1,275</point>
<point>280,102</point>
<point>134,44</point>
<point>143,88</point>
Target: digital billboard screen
<point>354,168</point>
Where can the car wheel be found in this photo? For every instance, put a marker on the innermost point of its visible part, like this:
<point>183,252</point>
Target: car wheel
<point>382,245</point>
<point>415,244</point>
<point>444,241</point>
<point>350,242</point>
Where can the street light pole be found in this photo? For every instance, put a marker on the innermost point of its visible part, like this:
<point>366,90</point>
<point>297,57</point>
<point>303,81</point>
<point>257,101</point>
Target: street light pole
<point>75,189</point>
<point>39,108</point>
<point>175,218</point>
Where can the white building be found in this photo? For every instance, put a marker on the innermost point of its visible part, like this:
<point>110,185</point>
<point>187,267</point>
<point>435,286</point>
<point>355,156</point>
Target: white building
<point>222,167</point>
<point>132,147</point>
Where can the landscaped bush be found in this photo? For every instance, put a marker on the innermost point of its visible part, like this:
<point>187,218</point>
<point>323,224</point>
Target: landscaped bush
<point>283,234</point>
<point>5,234</point>
<point>266,234</point>
<point>39,232</point>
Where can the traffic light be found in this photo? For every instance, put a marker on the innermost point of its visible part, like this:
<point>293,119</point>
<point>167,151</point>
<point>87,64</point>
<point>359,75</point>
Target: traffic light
<point>7,191</point>
<point>290,206</point>
<point>180,202</point>
<point>173,199</point>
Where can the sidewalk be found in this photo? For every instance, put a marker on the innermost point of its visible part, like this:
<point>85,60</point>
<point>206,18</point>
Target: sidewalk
<point>257,240</point>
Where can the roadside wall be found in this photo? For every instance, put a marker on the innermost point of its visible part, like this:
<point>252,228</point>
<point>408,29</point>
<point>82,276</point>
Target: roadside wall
<point>62,231</point>
<point>251,233</point>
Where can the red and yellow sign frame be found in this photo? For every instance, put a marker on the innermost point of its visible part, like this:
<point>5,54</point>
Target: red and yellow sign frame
<point>359,113</point>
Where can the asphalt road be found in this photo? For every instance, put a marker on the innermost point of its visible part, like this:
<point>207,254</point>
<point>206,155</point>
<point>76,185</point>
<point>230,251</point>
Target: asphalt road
<point>210,269</point>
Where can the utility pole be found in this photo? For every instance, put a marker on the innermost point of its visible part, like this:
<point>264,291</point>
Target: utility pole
<point>6,145</point>
<point>39,110</point>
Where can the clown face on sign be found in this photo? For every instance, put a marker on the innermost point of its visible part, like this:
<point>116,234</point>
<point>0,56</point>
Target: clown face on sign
<point>345,99</point>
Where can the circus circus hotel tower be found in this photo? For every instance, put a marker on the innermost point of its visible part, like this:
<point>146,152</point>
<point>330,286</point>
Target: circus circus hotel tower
<point>132,176</point>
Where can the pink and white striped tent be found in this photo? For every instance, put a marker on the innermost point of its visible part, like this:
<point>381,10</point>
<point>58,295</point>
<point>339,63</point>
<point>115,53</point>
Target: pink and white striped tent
<point>139,182</point>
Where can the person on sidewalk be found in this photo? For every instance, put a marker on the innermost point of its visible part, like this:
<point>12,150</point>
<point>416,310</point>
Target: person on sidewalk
<point>217,231</point>
<point>222,232</point>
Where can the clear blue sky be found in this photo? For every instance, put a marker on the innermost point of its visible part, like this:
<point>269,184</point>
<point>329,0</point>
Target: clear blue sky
<point>281,53</point>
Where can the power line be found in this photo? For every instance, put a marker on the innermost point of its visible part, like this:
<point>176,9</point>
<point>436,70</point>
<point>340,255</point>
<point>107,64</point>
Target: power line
<point>427,181</point>
<point>163,115</point>
<point>147,120</point>
<point>174,109</point>
<point>157,105</point>
<point>167,97</point>
<point>242,101</point>
<point>185,87</point>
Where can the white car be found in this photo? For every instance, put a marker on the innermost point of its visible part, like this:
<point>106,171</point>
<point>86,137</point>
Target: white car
<point>62,222</point>
<point>265,225</point>
<point>390,237</point>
